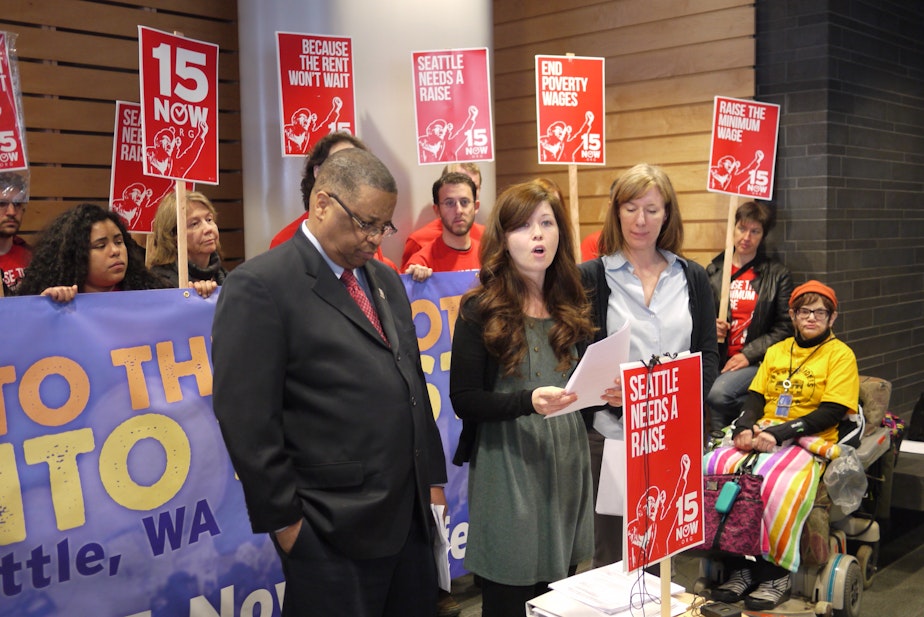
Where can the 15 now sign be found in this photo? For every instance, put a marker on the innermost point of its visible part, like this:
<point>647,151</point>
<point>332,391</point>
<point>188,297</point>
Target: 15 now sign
<point>12,147</point>
<point>179,106</point>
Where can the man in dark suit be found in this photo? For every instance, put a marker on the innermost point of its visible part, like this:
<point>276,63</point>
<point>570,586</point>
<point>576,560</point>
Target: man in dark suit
<point>325,415</point>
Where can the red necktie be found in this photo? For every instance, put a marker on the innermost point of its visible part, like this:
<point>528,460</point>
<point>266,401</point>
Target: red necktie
<point>357,293</point>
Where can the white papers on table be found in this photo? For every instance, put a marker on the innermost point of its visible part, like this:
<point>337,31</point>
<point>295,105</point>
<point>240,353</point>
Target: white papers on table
<point>597,370</point>
<point>605,591</point>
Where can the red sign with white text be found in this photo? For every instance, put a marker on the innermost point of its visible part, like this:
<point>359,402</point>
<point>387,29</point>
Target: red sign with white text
<point>570,110</point>
<point>133,195</point>
<point>315,89</point>
<point>179,106</point>
<point>452,96</point>
<point>663,421</point>
<point>12,146</point>
<point>743,156</point>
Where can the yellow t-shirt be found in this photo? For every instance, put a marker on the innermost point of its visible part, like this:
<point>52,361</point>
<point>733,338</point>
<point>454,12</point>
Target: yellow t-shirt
<point>826,373</point>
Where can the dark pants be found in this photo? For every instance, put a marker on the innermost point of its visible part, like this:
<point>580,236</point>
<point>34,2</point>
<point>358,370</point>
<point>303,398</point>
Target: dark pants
<point>607,529</point>
<point>321,582</point>
<point>499,600</point>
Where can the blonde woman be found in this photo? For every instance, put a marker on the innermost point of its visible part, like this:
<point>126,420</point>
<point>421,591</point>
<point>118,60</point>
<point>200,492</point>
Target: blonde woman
<point>202,244</point>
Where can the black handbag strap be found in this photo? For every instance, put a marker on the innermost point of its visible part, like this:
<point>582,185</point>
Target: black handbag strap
<point>746,467</point>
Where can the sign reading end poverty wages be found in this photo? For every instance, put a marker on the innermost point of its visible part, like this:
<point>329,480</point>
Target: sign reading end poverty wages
<point>570,110</point>
<point>12,147</point>
<point>179,106</point>
<point>663,419</point>
<point>133,195</point>
<point>452,96</point>
<point>743,156</point>
<point>315,89</point>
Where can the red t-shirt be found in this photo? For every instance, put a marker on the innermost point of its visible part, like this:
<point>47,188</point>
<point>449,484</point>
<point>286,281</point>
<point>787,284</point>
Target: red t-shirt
<point>423,236</point>
<point>14,262</point>
<point>443,258</point>
<point>742,297</point>
<point>288,231</point>
<point>590,246</point>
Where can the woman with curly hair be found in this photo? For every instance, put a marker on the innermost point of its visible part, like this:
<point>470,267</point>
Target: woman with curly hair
<point>202,246</point>
<point>87,249</point>
<point>517,340</point>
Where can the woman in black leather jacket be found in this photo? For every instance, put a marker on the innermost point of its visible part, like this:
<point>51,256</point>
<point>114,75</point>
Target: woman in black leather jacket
<point>758,313</point>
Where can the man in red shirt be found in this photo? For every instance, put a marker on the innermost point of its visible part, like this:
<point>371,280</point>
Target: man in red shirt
<point>432,230</point>
<point>455,204</point>
<point>15,254</point>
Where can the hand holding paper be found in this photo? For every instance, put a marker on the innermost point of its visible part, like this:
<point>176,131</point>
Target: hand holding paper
<point>594,376</point>
<point>549,399</point>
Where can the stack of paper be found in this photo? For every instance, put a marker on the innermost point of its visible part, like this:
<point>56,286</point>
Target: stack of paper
<point>606,591</point>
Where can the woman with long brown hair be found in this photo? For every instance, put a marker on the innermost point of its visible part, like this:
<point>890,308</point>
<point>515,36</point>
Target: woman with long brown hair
<point>517,340</point>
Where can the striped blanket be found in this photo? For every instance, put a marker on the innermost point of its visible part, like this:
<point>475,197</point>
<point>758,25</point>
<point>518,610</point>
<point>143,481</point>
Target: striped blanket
<point>791,478</point>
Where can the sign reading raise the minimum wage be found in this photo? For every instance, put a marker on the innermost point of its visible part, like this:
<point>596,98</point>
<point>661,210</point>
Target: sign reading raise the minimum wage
<point>452,97</point>
<point>179,106</point>
<point>315,89</point>
<point>743,156</point>
<point>663,420</point>
<point>12,147</point>
<point>570,110</point>
<point>133,195</point>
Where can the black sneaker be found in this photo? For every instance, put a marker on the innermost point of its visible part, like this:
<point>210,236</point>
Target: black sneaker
<point>769,594</point>
<point>738,584</point>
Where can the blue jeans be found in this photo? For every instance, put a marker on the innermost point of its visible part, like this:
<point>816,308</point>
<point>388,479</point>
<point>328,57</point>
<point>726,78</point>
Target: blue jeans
<point>727,395</point>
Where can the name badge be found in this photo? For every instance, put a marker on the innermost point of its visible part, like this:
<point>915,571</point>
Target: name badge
<point>783,404</point>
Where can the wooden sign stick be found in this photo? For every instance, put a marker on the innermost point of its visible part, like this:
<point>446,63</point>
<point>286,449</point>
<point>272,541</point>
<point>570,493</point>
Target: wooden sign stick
<point>727,264</point>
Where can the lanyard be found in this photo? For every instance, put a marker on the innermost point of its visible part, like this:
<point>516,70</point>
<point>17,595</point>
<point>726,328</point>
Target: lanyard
<point>787,383</point>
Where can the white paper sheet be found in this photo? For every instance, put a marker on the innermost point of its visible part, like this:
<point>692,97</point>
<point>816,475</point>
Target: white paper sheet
<point>612,489</point>
<point>441,547</point>
<point>597,370</point>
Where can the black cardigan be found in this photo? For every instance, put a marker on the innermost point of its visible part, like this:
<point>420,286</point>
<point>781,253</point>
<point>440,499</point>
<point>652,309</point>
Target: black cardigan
<point>472,379</point>
<point>770,322</point>
<point>702,309</point>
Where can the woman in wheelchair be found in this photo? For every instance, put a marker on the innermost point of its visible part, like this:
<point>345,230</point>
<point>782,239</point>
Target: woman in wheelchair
<point>805,387</point>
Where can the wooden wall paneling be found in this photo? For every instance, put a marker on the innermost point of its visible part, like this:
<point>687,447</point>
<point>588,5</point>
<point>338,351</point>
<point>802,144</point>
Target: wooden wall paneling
<point>665,62</point>
<point>112,19</point>
<point>70,149</point>
<point>577,18</point>
<point>81,48</point>
<point>76,57</point>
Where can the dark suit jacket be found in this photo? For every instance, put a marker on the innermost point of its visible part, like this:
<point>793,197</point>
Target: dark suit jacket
<point>321,418</point>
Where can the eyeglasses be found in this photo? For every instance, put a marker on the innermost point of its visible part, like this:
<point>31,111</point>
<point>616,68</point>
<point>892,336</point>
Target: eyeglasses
<point>465,202</point>
<point>819,314</point>
<point>369,229</point>
<point>17,205</point>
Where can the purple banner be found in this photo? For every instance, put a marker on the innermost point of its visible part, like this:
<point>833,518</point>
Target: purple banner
<point>435,304</point>
<point>117,497</point>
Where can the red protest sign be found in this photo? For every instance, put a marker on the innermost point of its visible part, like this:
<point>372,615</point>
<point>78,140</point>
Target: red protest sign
<point>12,145</point>
<point>452,97</point>
<point>179,106</point>
<point>570,110</point>
<point>663,420</point>
<point>133,195</point>
<point>743,155</point>
<point>315,89</point>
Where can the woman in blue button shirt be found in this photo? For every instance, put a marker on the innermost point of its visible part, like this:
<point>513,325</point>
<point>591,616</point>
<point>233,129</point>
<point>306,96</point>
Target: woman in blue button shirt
<point>641,278</point>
